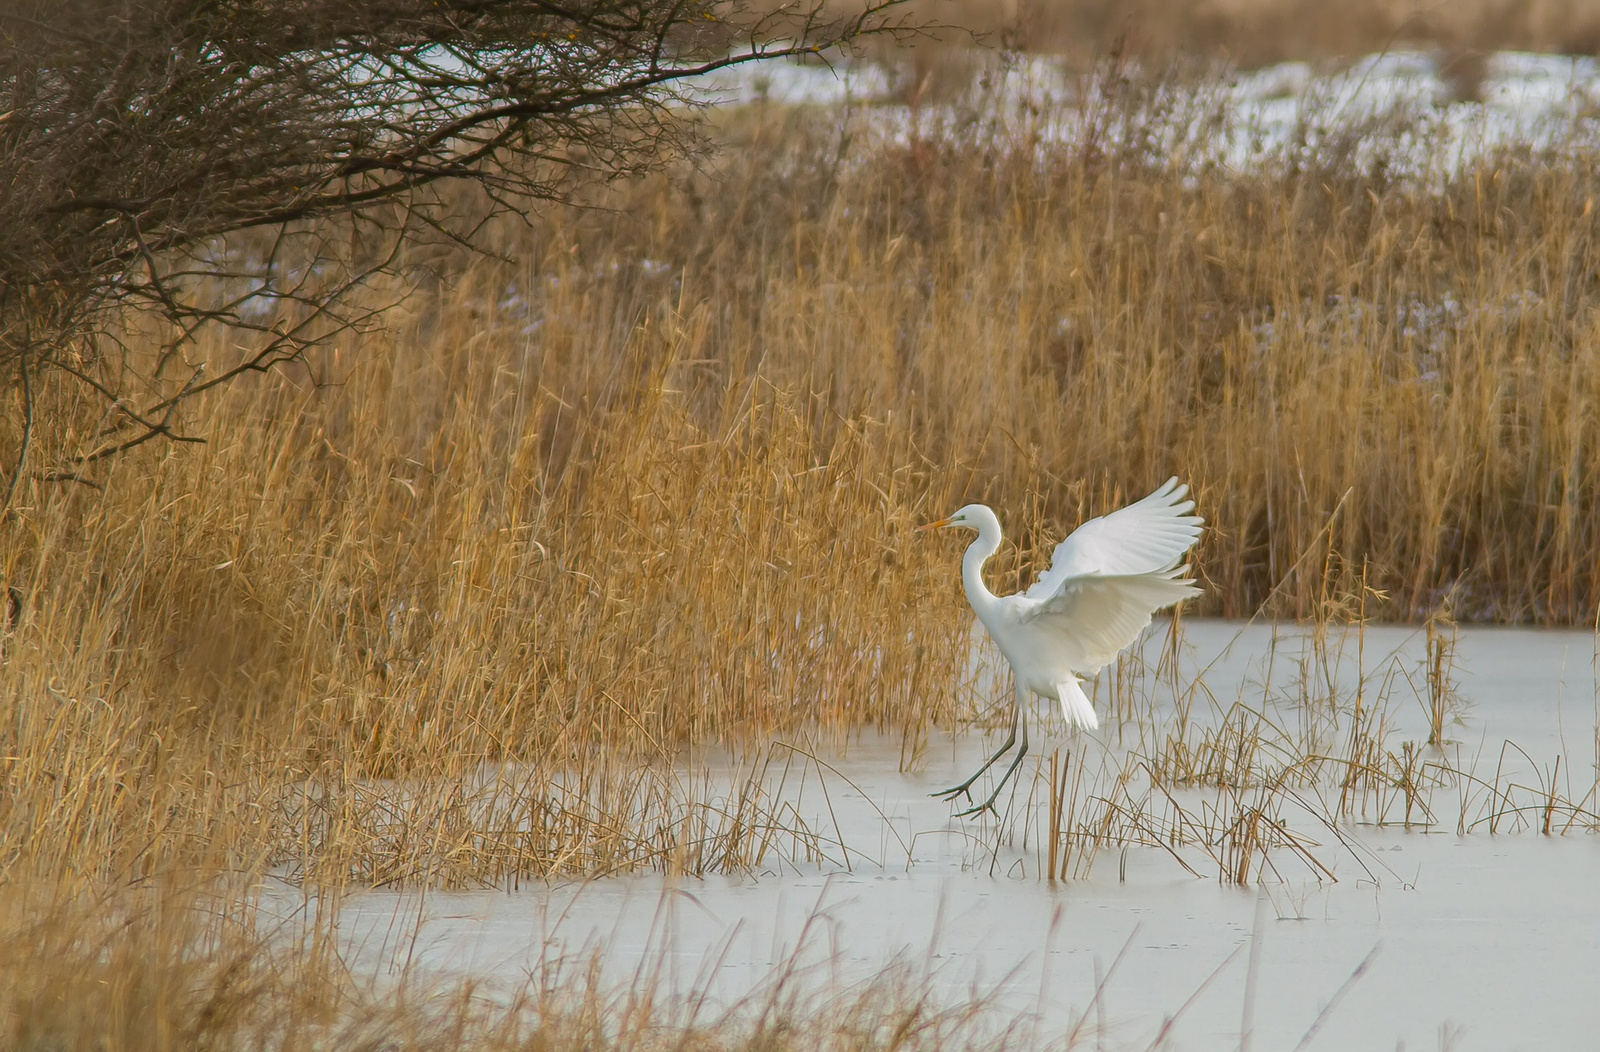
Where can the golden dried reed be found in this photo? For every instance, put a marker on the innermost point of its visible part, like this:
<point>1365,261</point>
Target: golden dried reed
<point>648,482</point>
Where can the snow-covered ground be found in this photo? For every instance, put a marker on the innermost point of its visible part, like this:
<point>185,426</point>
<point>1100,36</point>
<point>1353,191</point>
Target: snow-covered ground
<point>1401,107</point>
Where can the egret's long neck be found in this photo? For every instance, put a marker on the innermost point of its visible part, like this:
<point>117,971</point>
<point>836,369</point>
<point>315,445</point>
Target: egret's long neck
<point>984,603</point>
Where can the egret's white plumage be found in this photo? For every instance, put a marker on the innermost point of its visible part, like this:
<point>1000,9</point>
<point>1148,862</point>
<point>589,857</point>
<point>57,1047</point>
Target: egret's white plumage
<point>1104,583</point>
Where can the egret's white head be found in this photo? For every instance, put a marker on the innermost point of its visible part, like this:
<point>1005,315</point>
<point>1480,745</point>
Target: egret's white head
<point>972,516</point>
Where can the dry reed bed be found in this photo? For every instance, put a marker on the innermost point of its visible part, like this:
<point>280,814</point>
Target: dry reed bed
<point>652,485</point>
<point>304,642</point>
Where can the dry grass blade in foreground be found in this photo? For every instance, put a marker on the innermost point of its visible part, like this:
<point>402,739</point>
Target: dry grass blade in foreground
<point>150,970</point>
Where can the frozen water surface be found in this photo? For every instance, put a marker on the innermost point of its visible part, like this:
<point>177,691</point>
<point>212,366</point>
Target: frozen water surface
<point>1441,935</point>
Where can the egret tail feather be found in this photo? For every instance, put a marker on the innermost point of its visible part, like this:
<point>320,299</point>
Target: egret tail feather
<point>1075,705</point>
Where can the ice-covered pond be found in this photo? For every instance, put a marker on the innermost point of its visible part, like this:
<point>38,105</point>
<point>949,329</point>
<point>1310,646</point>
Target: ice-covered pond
<point>1395,892</point>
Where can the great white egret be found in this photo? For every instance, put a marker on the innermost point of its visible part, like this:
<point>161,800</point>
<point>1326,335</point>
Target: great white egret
<point>1105,581</point>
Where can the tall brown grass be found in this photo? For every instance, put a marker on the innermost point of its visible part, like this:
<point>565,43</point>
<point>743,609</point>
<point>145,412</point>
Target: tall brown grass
<point>647,482</point>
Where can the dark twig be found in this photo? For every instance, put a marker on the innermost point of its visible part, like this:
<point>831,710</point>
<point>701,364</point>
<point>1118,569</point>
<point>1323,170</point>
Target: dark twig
<point>197,164</point>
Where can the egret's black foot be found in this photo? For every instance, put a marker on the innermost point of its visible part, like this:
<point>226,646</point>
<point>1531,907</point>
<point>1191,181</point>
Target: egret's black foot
<point>1018,723</point>
<point>987,805</point>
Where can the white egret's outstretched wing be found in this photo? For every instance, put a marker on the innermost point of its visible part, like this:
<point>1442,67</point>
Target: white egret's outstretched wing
<point>1093,616</point>
<point>1148,536</point>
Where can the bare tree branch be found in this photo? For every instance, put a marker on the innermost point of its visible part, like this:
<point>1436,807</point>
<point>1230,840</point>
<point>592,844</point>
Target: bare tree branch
<point>185,158</point>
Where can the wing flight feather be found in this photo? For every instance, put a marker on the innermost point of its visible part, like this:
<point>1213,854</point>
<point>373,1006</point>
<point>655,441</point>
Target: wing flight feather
<point>1147,536</point>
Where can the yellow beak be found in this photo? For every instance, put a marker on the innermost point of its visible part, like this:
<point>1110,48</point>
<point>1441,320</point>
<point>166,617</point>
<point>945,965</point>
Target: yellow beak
<point>932,525</point>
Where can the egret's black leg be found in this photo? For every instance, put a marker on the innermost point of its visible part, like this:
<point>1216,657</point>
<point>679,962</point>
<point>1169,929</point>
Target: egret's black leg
<point>1011,739</point>
<point>988,805</point>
